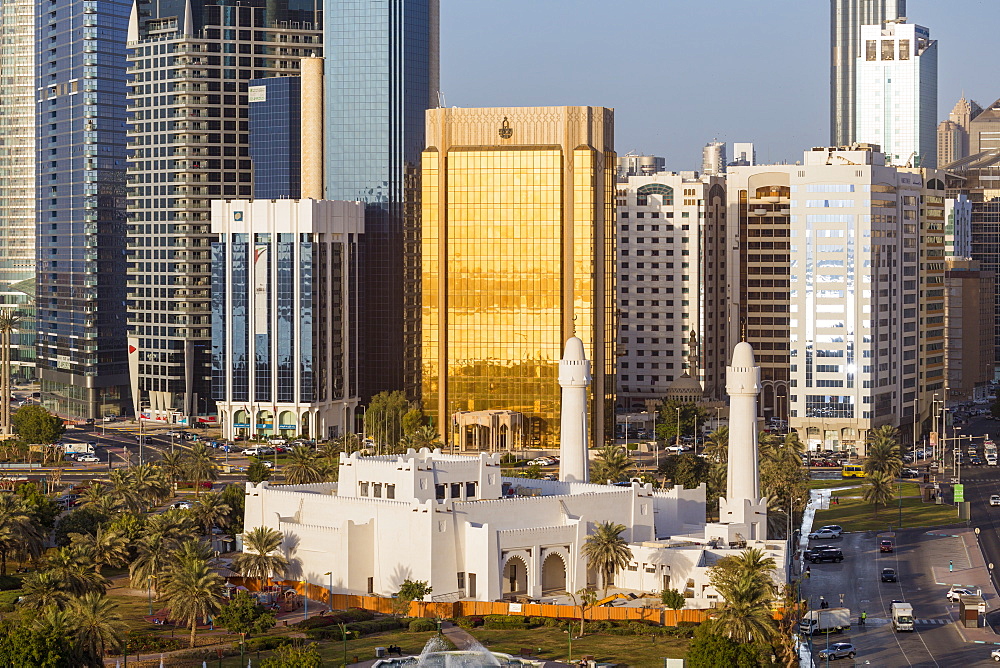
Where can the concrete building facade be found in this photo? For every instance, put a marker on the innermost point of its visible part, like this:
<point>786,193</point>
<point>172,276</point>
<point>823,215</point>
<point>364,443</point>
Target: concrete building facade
<point>284,284</point>
<point>671,285</point>
<point>969,296</point>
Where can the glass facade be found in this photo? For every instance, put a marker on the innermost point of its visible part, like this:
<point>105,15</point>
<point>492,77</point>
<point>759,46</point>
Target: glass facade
<point>190,137</point>
<point>381,75</point>
<point>17,178</point>
<point>517,255</point>
<point>80,205</point>
<point>275,138</point>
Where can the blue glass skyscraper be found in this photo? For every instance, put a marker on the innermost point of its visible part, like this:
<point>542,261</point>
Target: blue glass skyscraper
<point>275,141</point>
<point>381,76</point>
<point>80,205</point>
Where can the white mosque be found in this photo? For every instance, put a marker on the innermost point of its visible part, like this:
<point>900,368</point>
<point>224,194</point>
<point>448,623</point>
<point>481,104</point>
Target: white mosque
<point>473,534</point>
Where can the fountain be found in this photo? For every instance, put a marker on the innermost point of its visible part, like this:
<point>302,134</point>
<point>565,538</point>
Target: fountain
<point>435,655</point>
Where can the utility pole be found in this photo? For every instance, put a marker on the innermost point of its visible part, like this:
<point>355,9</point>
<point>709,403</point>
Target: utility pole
<point>8,323</point>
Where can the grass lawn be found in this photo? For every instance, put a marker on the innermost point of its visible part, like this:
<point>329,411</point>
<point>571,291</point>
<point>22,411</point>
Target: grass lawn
<point>837,482</point>
<point>856,515</point>
<point>630,650</point>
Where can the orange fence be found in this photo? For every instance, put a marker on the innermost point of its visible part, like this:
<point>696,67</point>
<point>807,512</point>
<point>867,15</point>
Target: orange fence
<point>481,608</point>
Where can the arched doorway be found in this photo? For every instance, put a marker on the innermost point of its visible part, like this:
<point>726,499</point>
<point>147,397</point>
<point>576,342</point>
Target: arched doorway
<point>241,423</point>
<point>265,423</point>
<point>287,424</point>
<point>515,576</point>
<point>553,574</point>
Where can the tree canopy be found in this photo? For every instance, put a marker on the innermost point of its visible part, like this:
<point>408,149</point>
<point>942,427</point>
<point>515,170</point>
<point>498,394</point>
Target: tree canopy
<point>34,424</point>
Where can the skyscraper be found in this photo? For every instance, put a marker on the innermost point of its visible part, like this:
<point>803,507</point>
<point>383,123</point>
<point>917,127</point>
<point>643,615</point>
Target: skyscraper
<point>897,93</point>
<point>846,19</point>
<point>984,130</point>
<point>192,62</point>
<point>382,75</point>
<point>713,158</point>
<point>953,134</point>
<point>80,205</point>
<point>17,178</point>
<point>518,256</point>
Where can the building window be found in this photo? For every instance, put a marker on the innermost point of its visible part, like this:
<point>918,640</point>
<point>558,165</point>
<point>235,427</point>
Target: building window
<point>377,490</point>
<point>456,490</point>
<point>439,492</point>
<point>470,490</point>
<point>364,489</point>
<point>461,580</point>
<point>390,491</point>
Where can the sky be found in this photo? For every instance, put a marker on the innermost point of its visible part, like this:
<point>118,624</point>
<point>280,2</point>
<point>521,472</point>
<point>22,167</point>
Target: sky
<point>680,73</point>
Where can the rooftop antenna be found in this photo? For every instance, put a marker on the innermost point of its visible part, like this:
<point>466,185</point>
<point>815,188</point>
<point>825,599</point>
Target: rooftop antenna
<point>441,101</point>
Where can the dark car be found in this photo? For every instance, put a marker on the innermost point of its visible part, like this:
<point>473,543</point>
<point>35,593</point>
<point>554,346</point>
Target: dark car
<point>885,546</point>
<point>889,575</point>
<point>827,554</point>
<point>975,460</point>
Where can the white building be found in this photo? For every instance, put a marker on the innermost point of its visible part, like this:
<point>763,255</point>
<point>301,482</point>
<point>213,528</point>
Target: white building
<point>670,285</point>
<point>744,154</point>
<point>457,523</point>
<point>897,92</point>
<point>958,226</point>
<point>283,316</point>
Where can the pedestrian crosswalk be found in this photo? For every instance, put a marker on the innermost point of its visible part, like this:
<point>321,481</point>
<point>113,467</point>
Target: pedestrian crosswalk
<point>931,622</point>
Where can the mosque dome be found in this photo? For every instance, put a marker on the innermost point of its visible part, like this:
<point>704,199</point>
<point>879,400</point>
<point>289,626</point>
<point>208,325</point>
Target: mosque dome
<point>685,389</point>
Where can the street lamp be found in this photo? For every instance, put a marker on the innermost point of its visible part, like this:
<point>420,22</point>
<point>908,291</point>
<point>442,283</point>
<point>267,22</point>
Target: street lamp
<point>330,591</point>
<point>678,426</point>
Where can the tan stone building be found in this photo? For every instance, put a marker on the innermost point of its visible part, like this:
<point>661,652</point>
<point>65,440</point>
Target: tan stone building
<point>518,256</point>
<point>969,315</point>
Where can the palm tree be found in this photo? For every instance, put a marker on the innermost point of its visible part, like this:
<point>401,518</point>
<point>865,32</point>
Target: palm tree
<point>19,535</point>
<point>9,320</point>
<point>717,446</point>
<point>42,590</point>
<point>172,463</point>
<point>123,490</point>
<point>883,452</point>
<point>211,510</point>
<point>194,592</point>
<point>107,547</point>
<point>75,571</point>
<point>878,489</point>
<point>152,559</point>
<point>607,552</point>
<point>259,559</point>
<point>98,627</point>
<point>746,616</point>
<point>150,483</point>
<point>200,466</point>
<point>95,492</point>
<point>612,463</point>
<point>303,466</point>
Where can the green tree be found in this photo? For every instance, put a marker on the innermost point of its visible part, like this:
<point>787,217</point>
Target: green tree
<point>607,552</point>
<point>384,417</point>
<point>303,466</point>
<point>211,511</point>
<point>413,420</point>
<point>260,558</point>
<point>878,490</point>
<point>97,627</point>
<point>234,496</point>
<point>193,591</point>
<point>106,547</point>
<point>123,490</point>
<point>883,452</point>
<point>42,508</point>
<point>200,467</point>
<point>783,480</point>
<point>42,589</point>
<point>151,483</point>
<point>36,645</point>
<point>257,471</point>
<point>36,425</point>
<point>75,571</point>
<point>746,583</point>
<point>85,519</point>
<point>173,465</point>
<point>409,591</point>
<point>294,656</point>
<point>19,535</point>
<point>672,598</point>
<point>710,649</point>
<point>686,469</point>
<point>717,446</point>
<point>666,427</point>
<point>587,600</point>
<point>244,615</point>
<point>612,463</point>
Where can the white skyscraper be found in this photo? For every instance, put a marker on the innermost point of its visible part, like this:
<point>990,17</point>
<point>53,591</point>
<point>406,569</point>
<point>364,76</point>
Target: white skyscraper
<point>897,93</point>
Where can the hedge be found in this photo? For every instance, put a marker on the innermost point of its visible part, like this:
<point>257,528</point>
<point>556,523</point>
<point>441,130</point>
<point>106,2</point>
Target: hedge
<point>375,625</point>
<point>265,643</point>
<point>341,617</point>
<point>505,622</point>
<point>468,622</point>
<point>419,625</point>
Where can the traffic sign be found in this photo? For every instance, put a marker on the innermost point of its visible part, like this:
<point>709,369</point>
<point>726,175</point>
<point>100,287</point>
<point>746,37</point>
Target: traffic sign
<point>959,493</point>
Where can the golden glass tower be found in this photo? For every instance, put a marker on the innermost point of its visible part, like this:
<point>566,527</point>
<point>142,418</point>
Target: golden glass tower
<point>518,255</point>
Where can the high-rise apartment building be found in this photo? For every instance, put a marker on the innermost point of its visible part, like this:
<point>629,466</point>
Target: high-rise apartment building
<point>896,93</point>
<point>713,158</point>
<point>381,75</point>
<point>191,64</point>
<point>958,226</point>
<point>639,165</point>
<point>518,256</point>
<point>853,290</point>
<point>671,286</point>
<point>17,179</point>
<point>953,134</point>
<point>846,19</point>
<point>969,314</point>
<point>984,130</point>
<point>80,206</point>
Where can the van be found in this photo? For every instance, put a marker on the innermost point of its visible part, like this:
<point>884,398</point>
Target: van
<point>277,441</point>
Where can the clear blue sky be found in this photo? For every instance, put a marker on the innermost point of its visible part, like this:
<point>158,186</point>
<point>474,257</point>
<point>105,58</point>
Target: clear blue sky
<point>682,72</point>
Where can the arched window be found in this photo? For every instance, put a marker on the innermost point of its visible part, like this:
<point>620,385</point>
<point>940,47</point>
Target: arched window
<point>643,193</point>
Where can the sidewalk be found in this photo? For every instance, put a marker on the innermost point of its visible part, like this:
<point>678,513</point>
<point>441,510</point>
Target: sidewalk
<point>969,571</point>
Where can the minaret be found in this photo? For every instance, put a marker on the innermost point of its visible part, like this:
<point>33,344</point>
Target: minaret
<point>743,386</point>
<point>574,377</point>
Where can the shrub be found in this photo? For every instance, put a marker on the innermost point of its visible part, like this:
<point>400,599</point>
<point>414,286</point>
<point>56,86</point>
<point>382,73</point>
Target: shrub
<point>421,625</point>
<point>504,622</point>
<point>8,582</point>
<point>469,622</point>
<point>340,617</point>
<point>265,643</point>
<point>141,643</point>
<point>374,626</point>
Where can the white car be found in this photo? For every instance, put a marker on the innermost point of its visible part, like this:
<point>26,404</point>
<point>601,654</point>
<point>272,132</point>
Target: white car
<point>251,452</point>
<point>995,500</point>
<point>824,533</point>
<point>995,655</point>
<point>89,459</point>
<point>956,593</point>
<point>182,505</point>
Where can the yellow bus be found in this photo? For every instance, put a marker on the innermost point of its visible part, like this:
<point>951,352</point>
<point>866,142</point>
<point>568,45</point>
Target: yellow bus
<point>852,471</point>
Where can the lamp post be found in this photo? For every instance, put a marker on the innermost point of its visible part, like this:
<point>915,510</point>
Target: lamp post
<point>678,426</point>
<point>329,600</point>
<point>305,598</point>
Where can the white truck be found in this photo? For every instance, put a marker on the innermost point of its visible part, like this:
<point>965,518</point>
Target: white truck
<point>902,616</point>
<point>829,620</point>
<point>78,448</point>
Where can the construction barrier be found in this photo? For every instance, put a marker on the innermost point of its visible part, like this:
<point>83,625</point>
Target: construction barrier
<point>443,610</point>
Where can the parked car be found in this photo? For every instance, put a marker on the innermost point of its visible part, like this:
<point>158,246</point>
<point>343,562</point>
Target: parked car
<point>824,533</point>
<point>995,655</point>
<point>251,452</point>
<point>889,575</point>
<point>182,505</point>
<point>838,650</point>
<point>956,593</point>
<point>885,546</point>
